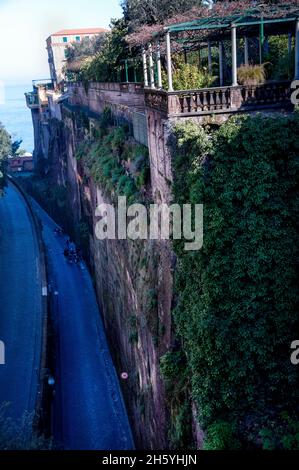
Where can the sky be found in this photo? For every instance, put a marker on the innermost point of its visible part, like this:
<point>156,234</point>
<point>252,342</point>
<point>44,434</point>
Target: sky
<point>25,25</point>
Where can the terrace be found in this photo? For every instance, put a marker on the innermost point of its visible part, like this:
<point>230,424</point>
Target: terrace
<point>224,43</point>
<point>38,97</point>
<point>32,100</point>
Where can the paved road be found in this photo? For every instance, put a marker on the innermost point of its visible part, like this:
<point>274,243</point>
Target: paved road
<point>88,407</point>
<point>20,305</point>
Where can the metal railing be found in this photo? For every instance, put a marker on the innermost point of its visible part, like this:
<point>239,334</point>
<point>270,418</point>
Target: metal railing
<point>32,99</point>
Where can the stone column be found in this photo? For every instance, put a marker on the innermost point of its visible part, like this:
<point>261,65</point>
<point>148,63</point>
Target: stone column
<point>246,51</point>
<point>221,63</point>
<point>234,57</point>
<point>159,69</point>
<point>297,51</point>
<point>169,64</point>
<point>144,62</point>
<point>151,66</point>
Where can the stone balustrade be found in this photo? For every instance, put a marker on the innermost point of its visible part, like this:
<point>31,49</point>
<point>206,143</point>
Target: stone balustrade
<point>219,99</point>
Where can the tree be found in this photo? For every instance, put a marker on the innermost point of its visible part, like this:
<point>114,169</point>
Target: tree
<point>138,12</point>
<point>114,51</point>
<point>5,149</point>
<point>85,48</point>
<point>20,434</point>
<point>16,148</point>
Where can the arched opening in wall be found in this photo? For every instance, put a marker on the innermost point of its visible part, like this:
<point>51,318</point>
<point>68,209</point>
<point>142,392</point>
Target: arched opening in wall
<point>212,126</point>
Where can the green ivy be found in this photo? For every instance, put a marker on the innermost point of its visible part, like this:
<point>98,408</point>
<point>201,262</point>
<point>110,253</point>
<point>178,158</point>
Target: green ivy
<point>220,436</point>
<point>175,373</point>
<point>105,152</point>
<point>238,296</point>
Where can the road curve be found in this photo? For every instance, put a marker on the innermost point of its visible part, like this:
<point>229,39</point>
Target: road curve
<point>89,412</point>
<point>20,305</point>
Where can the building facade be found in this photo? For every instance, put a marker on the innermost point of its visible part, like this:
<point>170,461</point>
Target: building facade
<point>57,44</point>
<point>21,164</point>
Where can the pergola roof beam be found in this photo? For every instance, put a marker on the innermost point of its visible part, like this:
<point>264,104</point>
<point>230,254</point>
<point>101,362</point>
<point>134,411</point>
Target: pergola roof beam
<point>239,22</point>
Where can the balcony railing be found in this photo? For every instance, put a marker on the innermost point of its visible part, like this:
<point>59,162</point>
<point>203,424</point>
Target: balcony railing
<point>32,100</point>
<point>275,93</point>
<point>205,100</point>
<point>220,99</point>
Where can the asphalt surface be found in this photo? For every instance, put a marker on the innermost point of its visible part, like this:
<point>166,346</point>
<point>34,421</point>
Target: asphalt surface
<point>20,305</point>
<point>89,412</point>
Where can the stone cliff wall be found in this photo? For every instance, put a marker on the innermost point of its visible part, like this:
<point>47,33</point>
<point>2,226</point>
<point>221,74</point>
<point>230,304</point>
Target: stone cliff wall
<point>133,281</point>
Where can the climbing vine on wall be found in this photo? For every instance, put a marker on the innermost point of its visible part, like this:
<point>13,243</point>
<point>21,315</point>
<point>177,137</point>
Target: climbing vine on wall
<point>115,160</point>
<point>238,297</point>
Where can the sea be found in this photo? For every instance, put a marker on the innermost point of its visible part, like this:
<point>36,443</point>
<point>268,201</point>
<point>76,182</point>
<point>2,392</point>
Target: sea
<point>15,116</point>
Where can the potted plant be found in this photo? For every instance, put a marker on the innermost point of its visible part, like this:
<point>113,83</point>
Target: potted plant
<point>251,75</point>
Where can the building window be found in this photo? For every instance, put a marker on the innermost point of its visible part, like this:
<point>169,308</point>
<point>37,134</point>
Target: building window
<point>65,39</point>
<point>78,38</point>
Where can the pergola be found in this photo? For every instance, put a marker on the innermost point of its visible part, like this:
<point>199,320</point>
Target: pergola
<point>279,20</point>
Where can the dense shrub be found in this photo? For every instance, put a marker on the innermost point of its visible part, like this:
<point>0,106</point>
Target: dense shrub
<point>280,64</point>
<point>109,154</point>
<point>104,66</point>
<point>238,296</point>
<point>190,77</point>
<point>20,434</point>
<point>174,371</point>
<point>220,436</point>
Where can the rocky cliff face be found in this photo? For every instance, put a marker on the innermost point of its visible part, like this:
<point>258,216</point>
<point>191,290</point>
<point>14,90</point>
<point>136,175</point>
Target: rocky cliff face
<point>134,286</point>
<point>133,281</point>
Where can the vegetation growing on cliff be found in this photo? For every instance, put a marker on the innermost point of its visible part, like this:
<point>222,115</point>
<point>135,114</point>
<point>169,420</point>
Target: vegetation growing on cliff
<point>20,434</point>
<point>175,372</point>
<point>238,296</point>
<point>5,148</point>
<point>115,160</point>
